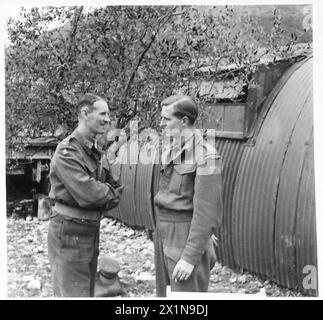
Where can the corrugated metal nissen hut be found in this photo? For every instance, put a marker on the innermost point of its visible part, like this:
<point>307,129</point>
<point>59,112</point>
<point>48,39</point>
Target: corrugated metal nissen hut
<point>266,142</point>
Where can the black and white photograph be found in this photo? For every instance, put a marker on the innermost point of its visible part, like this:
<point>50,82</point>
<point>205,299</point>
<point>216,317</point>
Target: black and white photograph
<point>160,151</point>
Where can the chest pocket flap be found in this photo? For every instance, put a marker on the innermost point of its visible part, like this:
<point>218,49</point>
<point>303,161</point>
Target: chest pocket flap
<point>185,168</point>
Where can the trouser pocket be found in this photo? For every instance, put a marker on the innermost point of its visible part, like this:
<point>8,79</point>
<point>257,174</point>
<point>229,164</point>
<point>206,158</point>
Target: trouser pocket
<point>79,242</point>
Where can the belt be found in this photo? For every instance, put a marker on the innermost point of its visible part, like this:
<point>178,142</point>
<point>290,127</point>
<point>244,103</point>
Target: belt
<point>174,216</point>
<point>78,213</point>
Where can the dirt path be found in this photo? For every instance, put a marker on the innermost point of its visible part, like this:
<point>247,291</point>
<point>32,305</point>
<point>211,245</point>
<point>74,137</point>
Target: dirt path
<point>29,270</point>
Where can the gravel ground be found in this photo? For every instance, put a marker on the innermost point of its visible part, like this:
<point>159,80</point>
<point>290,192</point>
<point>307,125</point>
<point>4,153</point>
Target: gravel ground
<point>28,271</point>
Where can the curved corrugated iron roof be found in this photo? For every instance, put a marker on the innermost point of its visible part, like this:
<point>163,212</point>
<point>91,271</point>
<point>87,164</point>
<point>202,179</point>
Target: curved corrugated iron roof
<point>136,204</point>
<point>268,187</point>
<point>116,171</point>
<point>287,197</point>
<point>305,233</point>
<point>268,181</point>
<point>144,186</point>
<point>231,152</point>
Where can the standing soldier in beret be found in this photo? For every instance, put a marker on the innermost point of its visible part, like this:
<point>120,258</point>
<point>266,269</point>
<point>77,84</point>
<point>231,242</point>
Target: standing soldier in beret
<point>83,189</point>
<point>189,202</point>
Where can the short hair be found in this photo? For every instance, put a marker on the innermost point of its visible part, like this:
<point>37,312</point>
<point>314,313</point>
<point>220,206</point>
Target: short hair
<point>183,106</point>
<point>87,100</point>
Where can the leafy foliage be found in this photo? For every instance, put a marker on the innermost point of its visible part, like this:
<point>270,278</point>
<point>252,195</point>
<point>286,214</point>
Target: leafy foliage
<point>134,56</point>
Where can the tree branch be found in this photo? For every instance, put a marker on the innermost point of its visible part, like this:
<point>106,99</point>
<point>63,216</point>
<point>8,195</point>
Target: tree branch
<point>69,57</point>
<point>76,18</point>
<point>161,21</point>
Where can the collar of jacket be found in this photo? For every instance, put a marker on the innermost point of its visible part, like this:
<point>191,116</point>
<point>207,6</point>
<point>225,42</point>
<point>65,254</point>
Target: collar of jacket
<point>87,144</point>
<point>171,154</point>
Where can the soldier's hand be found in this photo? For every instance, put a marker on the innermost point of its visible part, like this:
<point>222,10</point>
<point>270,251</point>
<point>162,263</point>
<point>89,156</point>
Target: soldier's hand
<point>182,270</point>
<point>115,201</point>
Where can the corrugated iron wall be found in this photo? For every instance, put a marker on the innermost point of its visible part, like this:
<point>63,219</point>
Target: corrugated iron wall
<point>231,152</point>
<point>144,186</point>
<point>268,187</point>
<point>136,207</point>
<point>265,203</point>
<point>306,227</point>
<point>288,193</point>
<point>116,171</point>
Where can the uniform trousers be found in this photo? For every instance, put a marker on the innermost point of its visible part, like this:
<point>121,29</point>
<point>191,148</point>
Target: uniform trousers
<point>73,249</point>
<point>170,238</point>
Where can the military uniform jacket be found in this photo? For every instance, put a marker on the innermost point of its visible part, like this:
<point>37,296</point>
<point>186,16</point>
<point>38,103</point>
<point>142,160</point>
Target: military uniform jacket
<point>79,177</point>
<point>191,182</point>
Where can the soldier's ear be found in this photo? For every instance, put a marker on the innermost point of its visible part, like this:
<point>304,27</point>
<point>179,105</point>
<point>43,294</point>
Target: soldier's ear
<point>185,121</point>
<point>85,111</point>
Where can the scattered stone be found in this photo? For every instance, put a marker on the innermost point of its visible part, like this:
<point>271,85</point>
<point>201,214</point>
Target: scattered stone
<point>242,278</point>
<point>145,252</point>
<point>215,278</point>
<point>243,291</point>
<point>128,251</point>
<point>130,247</point>
<point>150,246</point>
<point>258,283</point>
<point>28,278</point>
<point>10,248</point>
<point>262,292</point>
<point>39,249</point>
<point>104,223</point>
<point>147,264</point>
<point>34,285</point>
<point>233,280</point>
<point>129,233</point>
<point>121,247</point>
<point>144,276</point>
